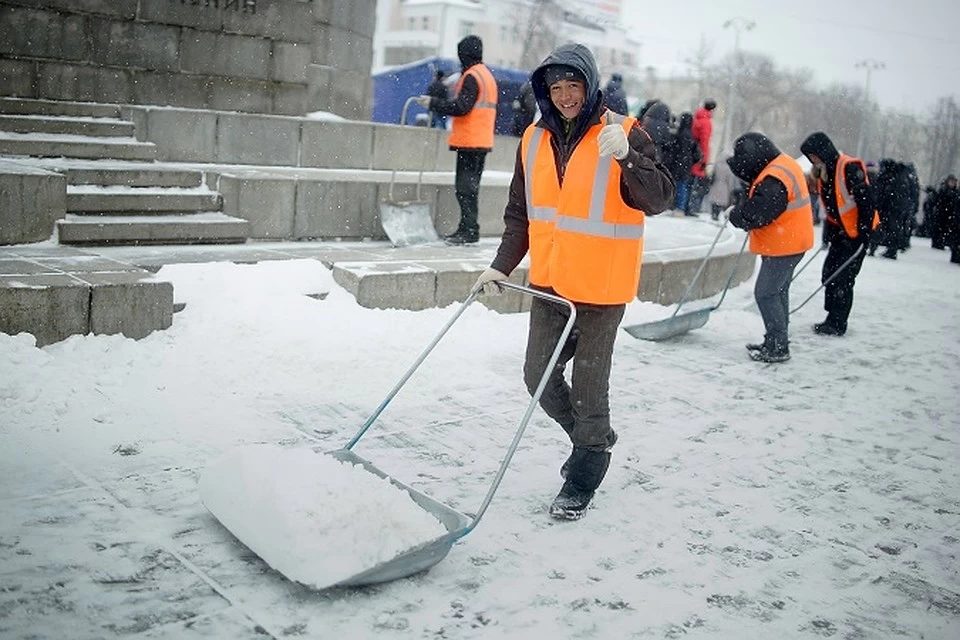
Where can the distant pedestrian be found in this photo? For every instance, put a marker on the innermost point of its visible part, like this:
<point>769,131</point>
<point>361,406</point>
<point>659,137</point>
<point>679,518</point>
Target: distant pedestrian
<point>680,155</point>
<point>722,187</point>
<point>614,96</point>
<point>524,109</point>
<point>849,221</point>
<point>776,213</point>
<point>655,120</point>
<point>474,111</point>
<point>438,90</point>
<point>948,216</point>
<point>702,130</point>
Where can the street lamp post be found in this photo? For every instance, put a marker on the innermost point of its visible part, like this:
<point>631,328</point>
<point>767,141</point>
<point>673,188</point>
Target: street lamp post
<point>870,65</point>
<point>738,24</point>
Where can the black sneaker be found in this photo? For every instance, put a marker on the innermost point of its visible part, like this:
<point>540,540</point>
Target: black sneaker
<point>827,329</point>
<point>461,239</point>
<point>770,354</point>
<point>571,503</point>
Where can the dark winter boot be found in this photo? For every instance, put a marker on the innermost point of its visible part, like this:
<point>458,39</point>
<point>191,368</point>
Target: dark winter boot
<point>565,467</point>
<point>772,351</point>
<point>827,328</point>
<point>462,237</point>
<point>584,474</point>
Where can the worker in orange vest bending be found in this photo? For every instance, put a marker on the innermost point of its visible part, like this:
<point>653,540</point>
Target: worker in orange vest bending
<point>583,181</point>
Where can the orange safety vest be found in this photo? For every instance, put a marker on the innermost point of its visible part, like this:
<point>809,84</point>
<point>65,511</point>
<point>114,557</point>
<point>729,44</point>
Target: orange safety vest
<point>846,205</point>
<point>792,232</point>
<point>585,241</point>
<point>474,130</point>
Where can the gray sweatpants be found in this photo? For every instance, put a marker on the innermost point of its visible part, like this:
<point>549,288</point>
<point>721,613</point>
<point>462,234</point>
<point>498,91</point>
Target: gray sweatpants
<point>582,407</point>
<point>772,293</point>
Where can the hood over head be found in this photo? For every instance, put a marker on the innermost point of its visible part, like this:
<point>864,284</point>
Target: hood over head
<point>751,153</point>
<point>578,58</point>
<point>470,51</point>
<point>819,144</point>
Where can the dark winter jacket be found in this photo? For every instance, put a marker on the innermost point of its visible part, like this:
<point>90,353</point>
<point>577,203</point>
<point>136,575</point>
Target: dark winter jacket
<point>893,198</point>
<point>524,109</point>
<point>470,52</point>
<point>645,183</point>
<point>656,122</point>
<point>948,213</point>
<point>752,152</point>
<point>820,145</point>
<point>614,96</point>
<point>682,152</point>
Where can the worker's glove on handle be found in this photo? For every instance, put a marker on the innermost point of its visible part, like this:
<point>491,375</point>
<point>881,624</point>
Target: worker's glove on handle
<point>613,140</point>
<point>487,282</point>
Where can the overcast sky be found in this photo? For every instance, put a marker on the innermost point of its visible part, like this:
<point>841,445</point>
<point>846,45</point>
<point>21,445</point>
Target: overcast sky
<point>917,40</point>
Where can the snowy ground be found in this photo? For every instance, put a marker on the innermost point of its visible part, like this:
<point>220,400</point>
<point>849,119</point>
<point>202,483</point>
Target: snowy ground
<point>819,498</point>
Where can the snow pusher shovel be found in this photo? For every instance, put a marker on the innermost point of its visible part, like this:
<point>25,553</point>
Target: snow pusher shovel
<point>830,279</point>
<point>680,323</point>
<point>410,222</point>
<point>457,525</point>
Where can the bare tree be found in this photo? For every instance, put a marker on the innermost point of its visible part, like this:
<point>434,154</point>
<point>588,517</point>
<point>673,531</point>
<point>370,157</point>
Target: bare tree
<point>944,139</point>
<point>538,28</point>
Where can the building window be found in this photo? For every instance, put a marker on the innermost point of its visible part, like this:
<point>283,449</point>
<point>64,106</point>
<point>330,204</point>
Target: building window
<point>411,23</point>
<point>426,23</point>
<point>467,28</point>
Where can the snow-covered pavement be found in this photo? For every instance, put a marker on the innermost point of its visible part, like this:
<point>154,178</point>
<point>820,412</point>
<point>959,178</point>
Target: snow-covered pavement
<point>818,498</point>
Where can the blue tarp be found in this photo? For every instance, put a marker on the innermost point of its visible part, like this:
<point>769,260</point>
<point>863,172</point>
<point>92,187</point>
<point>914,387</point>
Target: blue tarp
<point>391,88</point>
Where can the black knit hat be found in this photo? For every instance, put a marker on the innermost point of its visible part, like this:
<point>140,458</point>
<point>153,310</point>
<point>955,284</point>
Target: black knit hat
<point>557,72</point>
<point>710,105</point>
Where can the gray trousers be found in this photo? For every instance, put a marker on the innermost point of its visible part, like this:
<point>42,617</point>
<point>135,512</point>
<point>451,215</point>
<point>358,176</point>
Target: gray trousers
<point>582,407</point>
<point>772,293</point>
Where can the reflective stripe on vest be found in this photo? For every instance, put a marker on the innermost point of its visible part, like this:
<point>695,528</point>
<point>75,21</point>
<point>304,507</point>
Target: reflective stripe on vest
<point>791,232</point>
<point>475,129</point>
<point>585,241</point>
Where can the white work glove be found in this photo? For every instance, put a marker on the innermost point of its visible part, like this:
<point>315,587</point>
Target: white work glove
<point>487,282</point>
<point>613,141</point>
<point>423,101</point>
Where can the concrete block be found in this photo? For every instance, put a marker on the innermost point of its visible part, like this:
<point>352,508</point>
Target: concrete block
<point>268,203</point>
<point>221,54</point>
<point>83,264</point>
<point>31,201</point>
<point>289,99</point>
<point>36,33</point>
<point>341,48</point>
<point>504,154</point>
<point>330,209</point>
<point>18,77</point>
<point>398,285</point>
<point>51,307</point>
<point>154,87</point>
<point>716,274</point>
<point>135,177</point>
<point>84,83</point>
<point>675,278</point>
<point>135,45</point>
<point>125,9</point>
<point>132,304</point>
<point>492,201</point>
<point>238,94</point>
<point>184,14</point>
<point>336,145</point>
<point>289,62</point>
<point>745,270</point>
<point>17,266</point>
<point>276,19</point>
<point>650,274</point>
<point>406,148</point>
<point>347,94</point>
<point>257,139</point>
<point>183,135</point>
<point>446,159</point>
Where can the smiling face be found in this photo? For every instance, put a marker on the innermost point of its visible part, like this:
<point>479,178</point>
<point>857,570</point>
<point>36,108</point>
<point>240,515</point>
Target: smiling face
<point>568,97</point>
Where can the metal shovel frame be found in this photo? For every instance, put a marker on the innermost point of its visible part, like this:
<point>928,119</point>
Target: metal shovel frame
<point>457,524</point>
<point>678,324</point>
<point>830,279</point>
<point>407,223</point>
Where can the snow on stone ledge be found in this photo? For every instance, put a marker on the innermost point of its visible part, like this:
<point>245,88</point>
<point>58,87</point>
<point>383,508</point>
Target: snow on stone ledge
<point>311,517</point>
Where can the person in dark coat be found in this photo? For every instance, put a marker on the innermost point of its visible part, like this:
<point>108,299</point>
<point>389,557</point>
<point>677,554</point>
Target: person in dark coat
<point>593,262</point>
<point>948,216</point>
<point>438,90</point>
<point>925,229</point>
<point>892,192</point>
<point>680,154</point>
<point>938,224</point>
<point>614,96</point>
<point>524,109</point>
<point>846,241</point>
<point>655,120</point>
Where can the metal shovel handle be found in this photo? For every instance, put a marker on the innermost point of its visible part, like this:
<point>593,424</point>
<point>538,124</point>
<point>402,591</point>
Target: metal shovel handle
<point>830,279</point>
<point>703,264</point>
<point>533,399</point>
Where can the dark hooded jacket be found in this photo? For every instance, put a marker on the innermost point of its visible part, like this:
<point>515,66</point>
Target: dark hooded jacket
<point>470,52</point>
<point>645,183</point>
<point>656,121</point>
<point>752,152</point>
<point>614,96</point>
<point>682,152</point>
<point>820,145</point>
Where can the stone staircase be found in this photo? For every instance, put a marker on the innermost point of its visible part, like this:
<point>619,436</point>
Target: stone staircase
<point>142,205</point>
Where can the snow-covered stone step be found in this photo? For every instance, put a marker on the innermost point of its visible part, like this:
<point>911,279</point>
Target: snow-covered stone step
<point>71,125</point>
<point>96,199</point>
<point>206,227</point>
<point>58,108</point>
<point>72,146</point>
<point>145,177</point>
